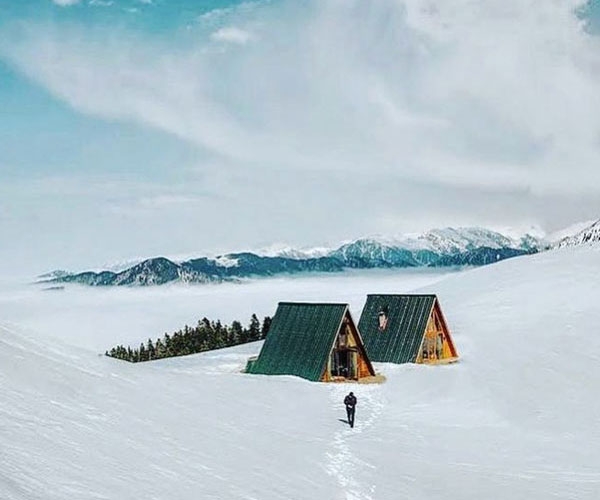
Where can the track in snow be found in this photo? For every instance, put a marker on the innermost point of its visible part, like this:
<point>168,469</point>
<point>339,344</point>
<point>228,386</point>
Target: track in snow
<point>343,462</point>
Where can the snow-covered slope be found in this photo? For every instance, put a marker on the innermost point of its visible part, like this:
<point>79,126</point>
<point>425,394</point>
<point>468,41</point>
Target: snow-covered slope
<point>517,418</point>
<point>589,234</point>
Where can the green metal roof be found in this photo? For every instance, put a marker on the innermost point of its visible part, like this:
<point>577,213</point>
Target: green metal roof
<point>402,337</point>
<point>300,340</point>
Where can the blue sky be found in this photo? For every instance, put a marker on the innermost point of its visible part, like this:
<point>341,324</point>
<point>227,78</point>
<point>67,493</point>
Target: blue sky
<point>135,128</point>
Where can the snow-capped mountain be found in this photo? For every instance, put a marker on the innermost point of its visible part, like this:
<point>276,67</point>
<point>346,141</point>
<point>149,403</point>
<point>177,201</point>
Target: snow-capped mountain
<point>439,241</point>
<point>590,234</point>
<point>436,248</point>
<point>282,250</point>
<point>52,275</point>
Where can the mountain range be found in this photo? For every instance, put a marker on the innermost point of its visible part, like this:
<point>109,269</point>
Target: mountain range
<point>436,248</point>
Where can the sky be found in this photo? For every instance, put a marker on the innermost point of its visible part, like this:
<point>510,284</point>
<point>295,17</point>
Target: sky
<point>133,128</point>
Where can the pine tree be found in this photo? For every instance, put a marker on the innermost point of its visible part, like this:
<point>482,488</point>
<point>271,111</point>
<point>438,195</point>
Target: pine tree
<point>254,329</point>
<point>221,333</point>
<point>160,349</point>
<point>151,350</point>
<point>205,336</point>
<point>240,333</point>
<point>142,353</point>
<point>265,327</point>
<point>236,333</point>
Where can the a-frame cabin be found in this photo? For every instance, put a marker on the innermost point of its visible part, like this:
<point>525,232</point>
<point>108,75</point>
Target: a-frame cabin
<point>406,329</point>
<point>318,342</point>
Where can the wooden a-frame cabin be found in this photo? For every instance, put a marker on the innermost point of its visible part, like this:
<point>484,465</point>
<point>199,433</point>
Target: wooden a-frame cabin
<point>318,342</point>
<point>406,329</point>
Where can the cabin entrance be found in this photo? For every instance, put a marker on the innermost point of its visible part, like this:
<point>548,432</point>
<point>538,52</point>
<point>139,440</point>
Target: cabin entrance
<point>433,347</point>
<point>347,358</point>
<point>344,363</point>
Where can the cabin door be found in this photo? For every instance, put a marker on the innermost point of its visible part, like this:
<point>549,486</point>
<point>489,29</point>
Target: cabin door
<point>344,363</point>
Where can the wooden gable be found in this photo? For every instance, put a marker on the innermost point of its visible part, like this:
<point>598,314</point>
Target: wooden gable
<point>349,342</point>
<point>437,346</point>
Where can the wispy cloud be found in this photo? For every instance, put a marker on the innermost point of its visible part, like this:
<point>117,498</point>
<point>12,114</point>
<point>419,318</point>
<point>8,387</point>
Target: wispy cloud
<point>65,3</point>
<point>101,3</point>
<point>414,113</point>
<point>222,14</point>
<point>232,35</point>
<point>444,94</point>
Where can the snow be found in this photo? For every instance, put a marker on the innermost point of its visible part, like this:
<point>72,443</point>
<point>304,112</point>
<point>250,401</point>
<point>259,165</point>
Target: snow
<point>516,418</point>
<point>519,231</point>
<point>288,251</point>
<point>448,240</point>
<point>225,261</point>
<point>589,234</point>
<point>571,230</point>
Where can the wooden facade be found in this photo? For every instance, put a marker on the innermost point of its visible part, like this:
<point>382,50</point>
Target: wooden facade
<point>347,359</point>
<point>437,346</point>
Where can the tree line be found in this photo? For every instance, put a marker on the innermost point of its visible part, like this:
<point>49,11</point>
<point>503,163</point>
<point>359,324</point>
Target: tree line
<point>205,336</point>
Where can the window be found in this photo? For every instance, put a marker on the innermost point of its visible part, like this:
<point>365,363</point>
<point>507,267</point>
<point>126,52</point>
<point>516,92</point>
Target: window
<point>382,318</point>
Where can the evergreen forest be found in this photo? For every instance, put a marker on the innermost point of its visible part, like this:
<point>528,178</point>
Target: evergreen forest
<point>205,336</point>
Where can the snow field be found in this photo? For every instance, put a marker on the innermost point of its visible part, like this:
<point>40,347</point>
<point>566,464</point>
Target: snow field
<point>517,418</point>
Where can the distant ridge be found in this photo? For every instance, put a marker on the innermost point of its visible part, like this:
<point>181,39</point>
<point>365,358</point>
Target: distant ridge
<point>436,248</point>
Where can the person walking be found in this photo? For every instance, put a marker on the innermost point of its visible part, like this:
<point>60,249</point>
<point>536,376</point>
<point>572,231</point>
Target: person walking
<point>350,402</point>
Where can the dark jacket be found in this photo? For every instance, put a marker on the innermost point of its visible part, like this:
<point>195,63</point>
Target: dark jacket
<point>350,401</point>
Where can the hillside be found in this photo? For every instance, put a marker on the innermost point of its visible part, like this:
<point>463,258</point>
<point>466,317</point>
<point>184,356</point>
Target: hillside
<point>590,234</point>
<point>517,418</point>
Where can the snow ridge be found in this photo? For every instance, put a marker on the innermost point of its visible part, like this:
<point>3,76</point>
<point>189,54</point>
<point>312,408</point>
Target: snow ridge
<point>590,234</point>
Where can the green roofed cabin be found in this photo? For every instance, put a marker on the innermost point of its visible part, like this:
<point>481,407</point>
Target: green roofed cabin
<point>318,342</point>
<point>406,329</point>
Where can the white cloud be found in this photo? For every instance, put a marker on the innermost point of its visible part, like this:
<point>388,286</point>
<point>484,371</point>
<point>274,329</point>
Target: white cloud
<point>232,35</point>
<point>101,3</point>
<point>421,113</point>
<point>222,14</point>
<point>65,3</point>
<point>499,93</point>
